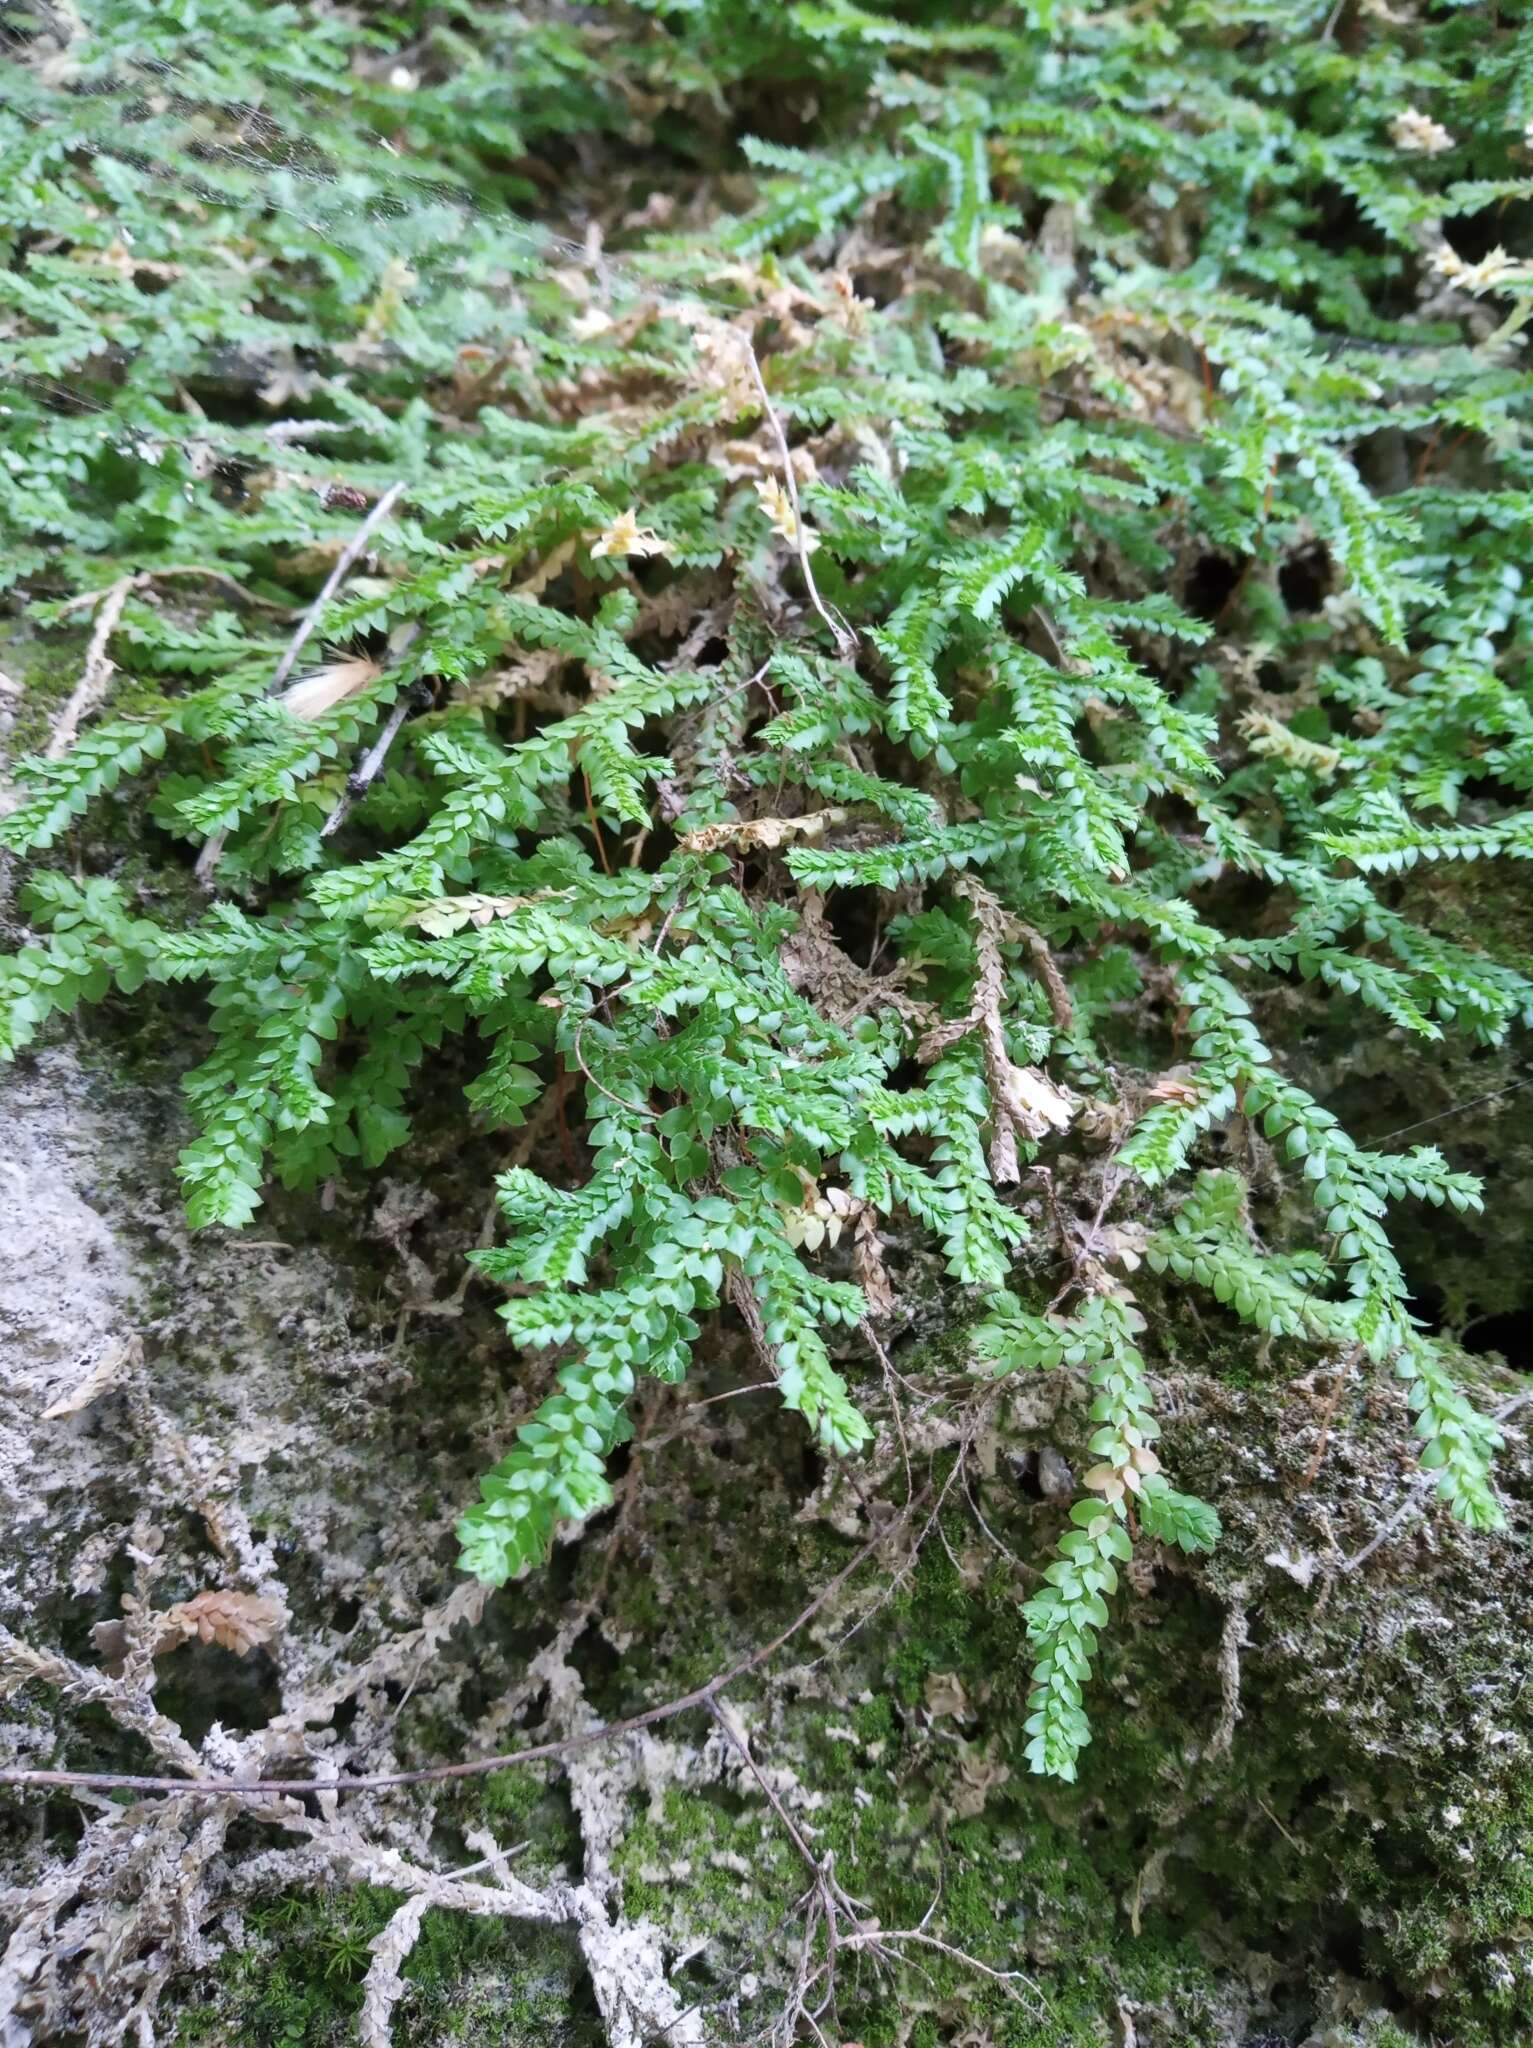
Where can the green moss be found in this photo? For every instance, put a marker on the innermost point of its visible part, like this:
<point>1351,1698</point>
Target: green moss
<point>1023,1884</point>
<point>699,1864</point>
<point>298,1978</point>
<point>1384,2033</point>
<point>1449,1893</point>
<point>873,1720</point>
<point>939,1626</point>
<point>298,1974</point>
<point>47,666</point>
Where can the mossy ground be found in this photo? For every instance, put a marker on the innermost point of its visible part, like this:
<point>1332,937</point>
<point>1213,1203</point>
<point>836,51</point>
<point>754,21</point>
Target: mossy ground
<point>1360,1848</point>
<point>43,668</point>
<point>1307,1810</point>
<point>295,1980</point>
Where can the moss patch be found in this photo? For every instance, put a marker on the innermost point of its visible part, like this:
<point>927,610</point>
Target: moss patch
<point>297,1977</point>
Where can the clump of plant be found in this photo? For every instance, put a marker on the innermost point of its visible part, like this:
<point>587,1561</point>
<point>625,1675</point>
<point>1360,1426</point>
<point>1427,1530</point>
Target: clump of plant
<point>788,692</point>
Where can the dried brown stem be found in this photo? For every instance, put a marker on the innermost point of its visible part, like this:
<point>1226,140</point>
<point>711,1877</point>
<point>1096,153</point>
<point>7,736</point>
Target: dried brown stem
<point>1053,981</point>
<point>212,852</point>
<point>542,1752</point>
<point>1417,1496</point>
<point>97,673</point>
<point>332,583</point>
<point>370,767</point>
<point>840,632</point>
<point>108,605</point>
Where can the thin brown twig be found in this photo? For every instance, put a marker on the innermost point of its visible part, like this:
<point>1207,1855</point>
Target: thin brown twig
<point>282,431</point>
<point>1417,1495</point>
<point>107,604</point>
<point>886,1364</point>
<point>97,672</point>
<point>742,1749</point>
<point>1050,634</point>
<point>332,583</point>
<point>933,1520</point>
<point>840,632</point>
<point>202,571</point>
<point>637,1108</point>
<point>478,1767</point>
<point>829,1898</point>
<point>595,822</point>
<point>665,926</point>
<point>875,1937</point>
<point>1457,1109</point>
<point>370,767</point>
<point>1292,1840</point>
<point>1339,1378</point>
<point>1084,1255</point>
<point>743,1295</point>
<point>726,1990</point>
<point>659,1443</point>
<point>213,850</point>
<point>1027,1570</point>
<point>1054,984</point>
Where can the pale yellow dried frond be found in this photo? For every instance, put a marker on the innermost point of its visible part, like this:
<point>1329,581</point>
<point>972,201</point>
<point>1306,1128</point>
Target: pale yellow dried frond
<point>1418,134</point>
<point>625,536</point>
<point>769,833</point>
<point>312,696</point>
<point>1492,271</point>
<point>779,509</point>
<point>1271,738</point>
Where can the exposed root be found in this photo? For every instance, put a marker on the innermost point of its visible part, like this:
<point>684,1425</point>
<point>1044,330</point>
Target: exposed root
<point>835,1923</point>
<point>384,1986</point>
<point>1231,1642</point>
<point>625,1959</point>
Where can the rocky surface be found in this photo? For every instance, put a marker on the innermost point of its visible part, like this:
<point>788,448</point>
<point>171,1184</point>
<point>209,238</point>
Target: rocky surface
<point>1304,1813</point>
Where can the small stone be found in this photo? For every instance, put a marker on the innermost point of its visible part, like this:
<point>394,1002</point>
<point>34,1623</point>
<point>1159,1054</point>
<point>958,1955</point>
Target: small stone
<point>945,1695</point>
<point>1055,1479</point>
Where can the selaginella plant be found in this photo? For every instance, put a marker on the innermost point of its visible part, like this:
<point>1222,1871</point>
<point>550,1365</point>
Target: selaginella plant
<point>1051,555</point>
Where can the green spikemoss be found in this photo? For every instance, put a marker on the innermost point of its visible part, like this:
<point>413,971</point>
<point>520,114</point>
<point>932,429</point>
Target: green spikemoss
<point>1070,819</point>
<point>1003,731</point>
